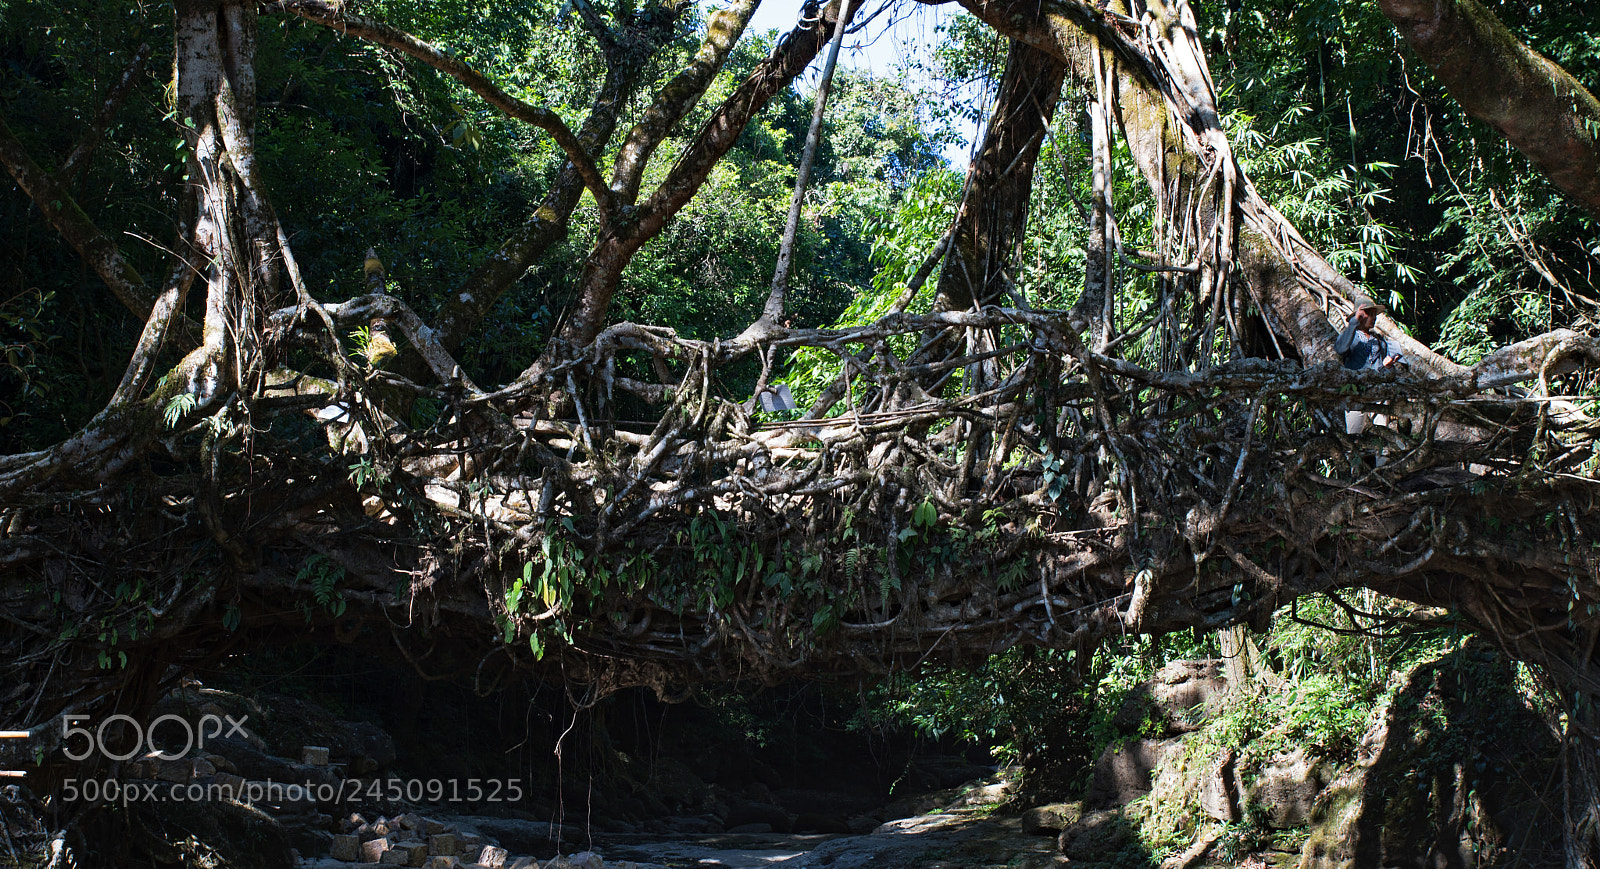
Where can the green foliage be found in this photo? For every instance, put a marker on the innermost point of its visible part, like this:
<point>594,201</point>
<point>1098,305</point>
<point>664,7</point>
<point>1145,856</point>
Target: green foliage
<point>324,576</point>
<point>23,337</point>
<point>900,242</point>
<point>177,407</point>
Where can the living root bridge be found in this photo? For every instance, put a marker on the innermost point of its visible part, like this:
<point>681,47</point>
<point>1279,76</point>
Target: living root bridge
<point>1039,493</point>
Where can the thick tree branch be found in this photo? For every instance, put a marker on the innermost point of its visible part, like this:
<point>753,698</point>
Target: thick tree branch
<point>678,96</point>
<point>58,207</point>
<point>375,31</point>
<point>363,309</point>
<point>1541,110</point>
<point>1174,143</point>
<point>461,313</point>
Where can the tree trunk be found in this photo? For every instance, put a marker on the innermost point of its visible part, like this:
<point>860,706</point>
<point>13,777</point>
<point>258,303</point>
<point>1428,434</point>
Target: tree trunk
<point>981,264</point>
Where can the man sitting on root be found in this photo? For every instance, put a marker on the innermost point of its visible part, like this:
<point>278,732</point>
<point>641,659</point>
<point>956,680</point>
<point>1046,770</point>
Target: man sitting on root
<point>1362,348</point>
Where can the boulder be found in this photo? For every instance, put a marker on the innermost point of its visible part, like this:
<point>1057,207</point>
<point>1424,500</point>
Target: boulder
<point>1219,789</point>
<point>742,813</point>
<point>346,848</point>
<point>444,845</point>
<point>1051,819</point>
<point>1122,771</point>
<point>1179,699</point>
<point>492,857</point>
<point>1286,788</point>
<point>253,763</point>
<point>372,850</point>
<point>415,852</point>
<point>1417,799</point>
<point>1187,692</point>
<point>1099,836</point>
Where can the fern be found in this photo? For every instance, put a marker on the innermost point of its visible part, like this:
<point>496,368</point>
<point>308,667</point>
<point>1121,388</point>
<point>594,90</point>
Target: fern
<point>324,577</point>
<point>178,407</point>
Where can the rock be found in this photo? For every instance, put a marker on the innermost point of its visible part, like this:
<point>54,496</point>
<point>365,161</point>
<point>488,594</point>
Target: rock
<point>492,857</point>
<point>280,797</point>
<point>416,853</point>
<point>1123,771</point>
<point>431,827</point>
<point>1051,819</point>
<point>676,784</point>
<point>1098,836</point>
<point>910,807</point>
<point>200,768</point>
<point>310,836</point>
<point>372,850</point>
<point>257,765</point>
<point>1219,789</point>
<point>742,813</point>
<point>746,829</point>
<point>523,863</point>
<point>314,755</point>
<point>232,834</point>
<point>1179,699</point>
<point>227,786</point>
<point>1187,692</point>
<point>758,792</point>
<point>444,845</point>
<point>519,836</point>
<point>986,794</point>
<point>176,771</point>
<point>1416,799</point>
<point>817,822</point>
<point>450,862</point>
<point>694,825</point>
<point>580,860</point>
<point>864,823</point>
<point>1286,787</point>
<point>394,857</point>
<point>346,848</point>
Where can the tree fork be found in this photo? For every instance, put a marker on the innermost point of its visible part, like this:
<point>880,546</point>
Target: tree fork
<point>616,246</point>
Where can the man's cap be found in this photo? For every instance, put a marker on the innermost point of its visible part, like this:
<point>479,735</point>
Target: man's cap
<point>1362,301</point>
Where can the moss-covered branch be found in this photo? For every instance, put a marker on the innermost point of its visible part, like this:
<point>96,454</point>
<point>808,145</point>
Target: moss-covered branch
<point>1538,106</point>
